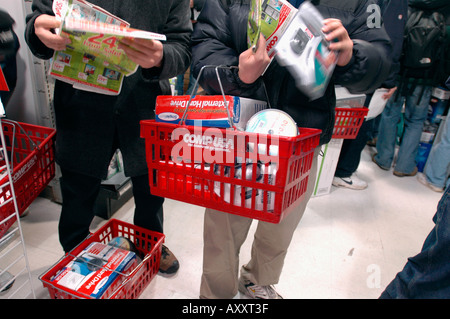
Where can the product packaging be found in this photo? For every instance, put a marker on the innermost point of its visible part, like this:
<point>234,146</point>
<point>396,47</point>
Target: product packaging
<point>207,111</point>
<point>95,269</point>
<point>303,50</point>
<point>244,198</point>
<point>271,18</point>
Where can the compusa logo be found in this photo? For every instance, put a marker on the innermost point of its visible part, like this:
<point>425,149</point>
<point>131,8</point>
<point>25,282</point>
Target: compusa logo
<point>208,141</point>
<point>272,43</point>
<point>209,146</point>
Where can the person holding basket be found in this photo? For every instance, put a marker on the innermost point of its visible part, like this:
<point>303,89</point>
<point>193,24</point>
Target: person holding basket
<point>219,39</point>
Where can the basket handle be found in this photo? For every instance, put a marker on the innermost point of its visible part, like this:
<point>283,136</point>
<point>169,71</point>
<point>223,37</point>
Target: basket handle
<point>183,118</point>
<point>217,67</point>
<point>14,124</point>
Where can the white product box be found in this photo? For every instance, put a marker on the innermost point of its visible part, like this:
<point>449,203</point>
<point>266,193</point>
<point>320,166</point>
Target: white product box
<point>346,99</point>
<point>440,93</point>
<point>327,162</point>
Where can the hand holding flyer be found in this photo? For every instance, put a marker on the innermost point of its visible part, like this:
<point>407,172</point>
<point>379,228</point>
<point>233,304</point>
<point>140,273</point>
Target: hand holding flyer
<point>254,24</point>
<point>93,60</point>
<point>101,39</point>
<point>296,38</point>
<point>271,18</point>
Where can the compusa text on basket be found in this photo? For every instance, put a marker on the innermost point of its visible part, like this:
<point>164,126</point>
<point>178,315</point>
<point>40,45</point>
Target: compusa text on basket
<point>215,145</point>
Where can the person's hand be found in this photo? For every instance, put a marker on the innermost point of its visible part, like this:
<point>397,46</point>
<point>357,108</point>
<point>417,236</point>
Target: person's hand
<point>146,53</point>
<point>252,64</point>
<point>389,93</point>
<point>339,40</point>
<point>44,28</point>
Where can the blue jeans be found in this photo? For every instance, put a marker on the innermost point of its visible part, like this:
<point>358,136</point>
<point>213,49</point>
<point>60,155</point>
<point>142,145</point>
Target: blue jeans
<point>415,115</point>
<point>427,275</point>
<point>437,168</point>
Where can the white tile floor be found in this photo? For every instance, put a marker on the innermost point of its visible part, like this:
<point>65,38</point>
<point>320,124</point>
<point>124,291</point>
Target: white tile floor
<point>349,244</point>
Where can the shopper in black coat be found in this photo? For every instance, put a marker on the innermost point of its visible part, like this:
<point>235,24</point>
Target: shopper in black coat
<point>220,38</point>
<point>394,14</point>
<point>91,126</point>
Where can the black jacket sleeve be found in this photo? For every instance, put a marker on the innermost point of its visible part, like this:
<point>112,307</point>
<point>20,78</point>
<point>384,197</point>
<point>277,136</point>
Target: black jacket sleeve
<point>370,63</point>
<point>36,46</point>
<point>214,42</point>
<point>394,18</point>
<point>219,35</point>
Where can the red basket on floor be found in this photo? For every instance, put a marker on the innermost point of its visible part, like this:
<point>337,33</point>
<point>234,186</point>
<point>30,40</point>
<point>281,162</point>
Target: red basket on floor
<point>126,286</point>
<point>202,166</point>
<point>31,157</point>
<point>348,121</point>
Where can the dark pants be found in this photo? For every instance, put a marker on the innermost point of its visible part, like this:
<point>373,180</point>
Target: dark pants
<point>350,155</point>
<point>79,193</point>
<point>427,275</point>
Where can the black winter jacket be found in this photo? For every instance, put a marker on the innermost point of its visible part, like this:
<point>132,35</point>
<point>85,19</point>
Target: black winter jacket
<point>91,126</point>
<point>220,35</point>
<point>395,15</point>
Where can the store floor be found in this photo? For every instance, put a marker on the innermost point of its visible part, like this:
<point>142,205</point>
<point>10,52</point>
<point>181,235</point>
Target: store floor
<point>349,244</point>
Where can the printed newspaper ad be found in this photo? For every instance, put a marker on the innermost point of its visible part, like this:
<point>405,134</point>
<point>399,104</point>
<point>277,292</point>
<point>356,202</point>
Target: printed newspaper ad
<point>93,61</point>
<point>295,37</point>
<point>271,18</point>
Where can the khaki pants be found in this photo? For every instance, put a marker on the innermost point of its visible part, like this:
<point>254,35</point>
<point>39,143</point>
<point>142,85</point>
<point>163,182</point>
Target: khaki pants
<point>224,235</point>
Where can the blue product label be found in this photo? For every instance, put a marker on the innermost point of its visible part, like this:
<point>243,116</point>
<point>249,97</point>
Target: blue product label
<point>236,109</point>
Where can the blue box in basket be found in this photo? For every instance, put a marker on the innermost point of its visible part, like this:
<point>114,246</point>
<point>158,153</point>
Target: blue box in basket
<point>95,269</point>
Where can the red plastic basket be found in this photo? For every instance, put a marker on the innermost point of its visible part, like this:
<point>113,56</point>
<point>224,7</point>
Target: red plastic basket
<point>30,150</point>
<point>126,286</point>
<point>202,166</point>
<point>348,121</point>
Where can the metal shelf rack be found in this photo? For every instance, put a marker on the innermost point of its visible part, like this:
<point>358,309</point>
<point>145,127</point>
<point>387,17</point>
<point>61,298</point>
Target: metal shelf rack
<point>15,274</point>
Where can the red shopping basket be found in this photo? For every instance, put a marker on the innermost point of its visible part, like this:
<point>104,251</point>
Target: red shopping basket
<point>348,121</point>
<point>30,150</point>
<point>204,166</point>
<point>126,286</point>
